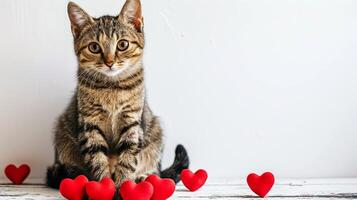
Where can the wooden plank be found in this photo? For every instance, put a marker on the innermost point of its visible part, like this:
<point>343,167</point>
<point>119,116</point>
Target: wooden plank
<point>285,189</point>
<point>28,191</point>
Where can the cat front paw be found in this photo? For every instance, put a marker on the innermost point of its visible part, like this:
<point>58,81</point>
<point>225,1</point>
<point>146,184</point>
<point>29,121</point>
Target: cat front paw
<point>99,172</point>
<point>141,178</point>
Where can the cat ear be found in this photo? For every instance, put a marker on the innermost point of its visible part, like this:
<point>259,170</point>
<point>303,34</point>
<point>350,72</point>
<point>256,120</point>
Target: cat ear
<point>78,17</point>
<point>131,13</point>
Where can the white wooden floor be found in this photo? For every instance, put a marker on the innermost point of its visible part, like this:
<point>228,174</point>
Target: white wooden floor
<point>317,189</point>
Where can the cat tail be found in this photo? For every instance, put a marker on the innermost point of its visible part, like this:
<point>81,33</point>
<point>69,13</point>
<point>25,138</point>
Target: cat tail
<point>181,162</point>
<point>57,172</point>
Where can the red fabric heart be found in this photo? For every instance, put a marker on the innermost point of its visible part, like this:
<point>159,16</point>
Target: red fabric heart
<point>73,189</point>
<point>193,181</point>
<point>132,191</point>
<point>17,175</point>
<point>163,188</point>
<point>261,185</point>
<point>103,190</point>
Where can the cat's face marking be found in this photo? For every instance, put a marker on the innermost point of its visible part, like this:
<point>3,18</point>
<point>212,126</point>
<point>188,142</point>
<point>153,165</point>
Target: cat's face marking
<point>108,45</point>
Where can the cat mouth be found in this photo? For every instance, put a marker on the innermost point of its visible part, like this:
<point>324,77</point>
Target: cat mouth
<point>113,71</point>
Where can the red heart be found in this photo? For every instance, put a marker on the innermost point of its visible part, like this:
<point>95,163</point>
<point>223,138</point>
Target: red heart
<point>194,181</point>
<point>104,190</point>
<point>73,189</point>
<point>163,188</point>
<point>132,191</point>
<point>17,175</point>
<point>261,185</point>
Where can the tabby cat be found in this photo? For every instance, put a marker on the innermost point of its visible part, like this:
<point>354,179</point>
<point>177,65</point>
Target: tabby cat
<point>108,129</point>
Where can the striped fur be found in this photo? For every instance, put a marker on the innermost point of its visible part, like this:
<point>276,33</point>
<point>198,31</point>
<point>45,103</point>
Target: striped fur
<point>108,129</point>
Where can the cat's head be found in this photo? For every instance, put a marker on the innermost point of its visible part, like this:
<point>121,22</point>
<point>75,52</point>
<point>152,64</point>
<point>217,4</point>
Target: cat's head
<point>108,45</point>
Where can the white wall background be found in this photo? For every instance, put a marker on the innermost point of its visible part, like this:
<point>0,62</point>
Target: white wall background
<point>246,85</point>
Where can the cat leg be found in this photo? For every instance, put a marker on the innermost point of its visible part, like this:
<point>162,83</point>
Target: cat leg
<point>149,159</point>
<point>128,148</point>
<point>94,148</point>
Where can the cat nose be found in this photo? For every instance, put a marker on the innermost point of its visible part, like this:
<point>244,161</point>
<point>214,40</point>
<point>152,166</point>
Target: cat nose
<point>109,63</point>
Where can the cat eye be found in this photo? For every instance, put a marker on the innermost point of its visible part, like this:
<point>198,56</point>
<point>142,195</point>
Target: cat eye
<point>123,45</point>
<point>94,47</point>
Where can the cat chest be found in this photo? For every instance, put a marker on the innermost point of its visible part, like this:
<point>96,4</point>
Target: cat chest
<point>111,124</point>
<point>105,109</point>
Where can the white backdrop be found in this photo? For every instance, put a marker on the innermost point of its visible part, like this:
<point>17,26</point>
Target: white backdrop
<point>246,85</point>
